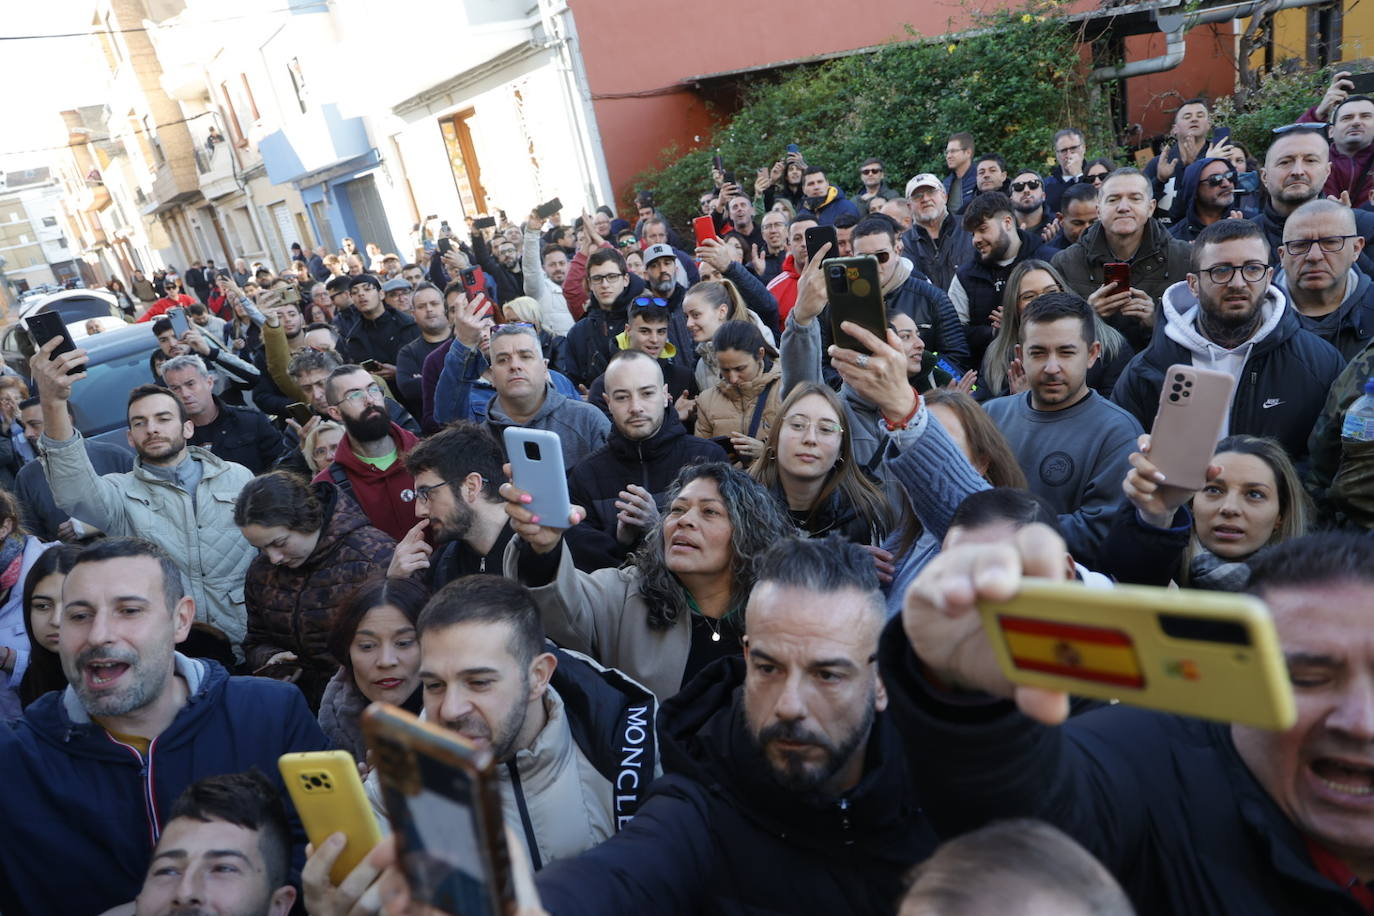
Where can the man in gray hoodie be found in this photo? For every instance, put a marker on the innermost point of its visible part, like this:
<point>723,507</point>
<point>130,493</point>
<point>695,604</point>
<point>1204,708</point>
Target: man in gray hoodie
<point>1227,316</point>
<point>524,396</point>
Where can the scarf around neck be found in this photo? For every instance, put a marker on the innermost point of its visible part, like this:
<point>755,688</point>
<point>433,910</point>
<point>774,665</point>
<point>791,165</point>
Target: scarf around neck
<point>899,276</point>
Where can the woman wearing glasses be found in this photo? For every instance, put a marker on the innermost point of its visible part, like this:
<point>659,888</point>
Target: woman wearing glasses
<point>314,549</point>
<point>808,465</point>
<point>1002,373</point>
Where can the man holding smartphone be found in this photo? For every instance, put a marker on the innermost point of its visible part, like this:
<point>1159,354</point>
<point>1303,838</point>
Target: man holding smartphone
<point>379,331</point>
<point>1350,112</point>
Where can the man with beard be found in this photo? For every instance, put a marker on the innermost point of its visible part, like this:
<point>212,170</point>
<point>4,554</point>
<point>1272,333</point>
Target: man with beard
<point>1125,232</point>
<point>1296,167</point>
<point>1228,317</point>
<point>660,270</point>
<point>367,465</point>
<point>500,259</point>
<point>226,850</point>
<point>1028,197</point>
<point>1207,194</point>
<point>546,285</point>
<point>1000,245</point>
<point>89,768</point>
<point>623,484</point>
<point>1073,444</point>
<point>937,242</point>
<point>178,496</point>
<point>461,514</point>
<point>785,790</point>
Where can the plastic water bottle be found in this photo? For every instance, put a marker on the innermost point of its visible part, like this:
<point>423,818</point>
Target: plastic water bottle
<point>1359,417</point>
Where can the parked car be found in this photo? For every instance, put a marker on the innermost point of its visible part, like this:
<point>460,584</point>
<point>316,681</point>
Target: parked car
<point>76,306</point>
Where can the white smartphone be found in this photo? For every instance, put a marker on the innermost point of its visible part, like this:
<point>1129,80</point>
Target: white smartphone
<point>536,465</point>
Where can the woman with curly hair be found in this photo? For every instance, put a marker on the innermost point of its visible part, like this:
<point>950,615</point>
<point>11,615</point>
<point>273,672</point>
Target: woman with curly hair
<point>678,604</point>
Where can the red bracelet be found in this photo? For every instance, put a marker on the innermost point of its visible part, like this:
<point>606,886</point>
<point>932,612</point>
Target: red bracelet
<point>905,421</point>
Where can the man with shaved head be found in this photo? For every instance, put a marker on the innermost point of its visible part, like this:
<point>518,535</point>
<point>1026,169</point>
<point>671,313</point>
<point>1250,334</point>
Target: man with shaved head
<point>1333,299</point>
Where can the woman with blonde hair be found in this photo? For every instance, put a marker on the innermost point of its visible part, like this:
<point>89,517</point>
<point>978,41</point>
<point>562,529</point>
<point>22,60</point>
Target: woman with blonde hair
<point>526,310</point>
<point>707,306</point>
<point>1002,373</point>
<point>319,445</point>
<point>808,465</point>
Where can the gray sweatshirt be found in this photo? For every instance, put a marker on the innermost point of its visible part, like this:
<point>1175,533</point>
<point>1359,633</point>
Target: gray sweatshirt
<point>1075,458</point>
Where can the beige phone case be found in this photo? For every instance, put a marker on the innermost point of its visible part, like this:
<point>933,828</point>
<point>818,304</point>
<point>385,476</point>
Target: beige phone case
<point>1193,404</point>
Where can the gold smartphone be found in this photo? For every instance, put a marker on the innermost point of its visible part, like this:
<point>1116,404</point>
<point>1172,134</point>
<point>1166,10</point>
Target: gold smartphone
<point>328,795</point>
<point>445,808</point>
<point>1206,654</point>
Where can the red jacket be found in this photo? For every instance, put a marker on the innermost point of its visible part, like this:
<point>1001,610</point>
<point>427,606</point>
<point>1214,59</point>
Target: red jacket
<point>387,497</point>
<point>165,303</point>
<point>784,288</point>
<point>1348,173</point>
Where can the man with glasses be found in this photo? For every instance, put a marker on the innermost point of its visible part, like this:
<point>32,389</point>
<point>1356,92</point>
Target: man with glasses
<point>1352,138</point>
<point>961,183</point>
<point>1207,194</point>
<point>367,465</point>
<point>396,293</point>
<point>1069,151</point>
<point>1228,317</point>
<point>591,342</point>
<point>774,230</point>
<point>937,241</point>
<point>872,183</point>
<point>1028,197</point>
<point>1333,299</point>
<point>976,289</point>
<point>623,484</point>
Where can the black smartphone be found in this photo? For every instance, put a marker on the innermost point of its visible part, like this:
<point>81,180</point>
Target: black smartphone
<point>1220,135</point>
<point>299,412</point>
<point>445,245</point>
<point>1362,83</point>
<point>718,163</point>
<point>484,222</point>
<point>728,178</point>
<point>544,211</point>
<point>44,326</point>
<point>856,295</point>
<point>371,365</point>
<point>818,236</point>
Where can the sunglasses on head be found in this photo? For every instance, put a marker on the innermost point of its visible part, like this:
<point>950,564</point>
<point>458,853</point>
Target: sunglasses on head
<point>1315,127</point>
<point>644,301</point>
<point>1213,181</point>
<point>1032,183</point>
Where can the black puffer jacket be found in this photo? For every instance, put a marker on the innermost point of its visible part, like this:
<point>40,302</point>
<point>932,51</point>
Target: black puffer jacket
<point>595,482</point>
<point>591,342</point>
<point>291,609</point>
<point>719,835</point>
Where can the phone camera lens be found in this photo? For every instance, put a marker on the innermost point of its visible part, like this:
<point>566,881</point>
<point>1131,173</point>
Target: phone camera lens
<point>1188,384</point>
<point>1177,389</point>
<point>836,271</point>
<point>1173,397</point>
<point>315,781</point>
<point>1178,378</point>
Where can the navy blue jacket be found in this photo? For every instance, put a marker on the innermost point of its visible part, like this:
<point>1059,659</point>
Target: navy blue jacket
<point>1164,802</point>
<point>719,835</point>
<point>1354,324</point>
<point>984,283</point>
<point>832,207</point>
<point>968,185</point>
<point>83,812</point>
<point>939,259</point>
<point>1272,224</point>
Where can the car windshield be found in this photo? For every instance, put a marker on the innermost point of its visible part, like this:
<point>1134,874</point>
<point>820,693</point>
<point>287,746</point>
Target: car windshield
<point>99,399</point>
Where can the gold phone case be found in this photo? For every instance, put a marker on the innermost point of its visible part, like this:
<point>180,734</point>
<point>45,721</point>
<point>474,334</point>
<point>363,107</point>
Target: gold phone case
<point>1195,653</point>
<point>328,795</point>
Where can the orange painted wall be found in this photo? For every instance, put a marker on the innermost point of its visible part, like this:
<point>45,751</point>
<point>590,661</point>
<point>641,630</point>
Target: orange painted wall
<point>1208,70</point>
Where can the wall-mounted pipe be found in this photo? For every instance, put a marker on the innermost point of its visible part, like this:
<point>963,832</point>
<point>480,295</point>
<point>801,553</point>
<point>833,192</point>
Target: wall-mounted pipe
<point>1175,26</point>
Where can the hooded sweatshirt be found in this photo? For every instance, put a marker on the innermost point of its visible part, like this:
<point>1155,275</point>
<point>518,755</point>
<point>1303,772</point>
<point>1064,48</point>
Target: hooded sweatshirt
<point>829,208</point>
<point>1190,224</point>
<point>387,497</point>
<point>1351,325</point>
<point>581,428</point>
<point>719,834</point>
<point>1282,372</point>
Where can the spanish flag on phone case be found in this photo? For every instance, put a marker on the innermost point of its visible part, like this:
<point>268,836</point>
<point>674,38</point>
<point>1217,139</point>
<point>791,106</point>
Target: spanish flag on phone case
<point>1069,650</point>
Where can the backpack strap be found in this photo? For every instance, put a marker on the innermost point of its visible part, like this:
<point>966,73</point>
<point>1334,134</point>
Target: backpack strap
<point>340,478</point>
<point>758,409</point>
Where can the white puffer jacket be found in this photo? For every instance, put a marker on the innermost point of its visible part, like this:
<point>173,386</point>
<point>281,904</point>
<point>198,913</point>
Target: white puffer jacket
<point>198,533</point>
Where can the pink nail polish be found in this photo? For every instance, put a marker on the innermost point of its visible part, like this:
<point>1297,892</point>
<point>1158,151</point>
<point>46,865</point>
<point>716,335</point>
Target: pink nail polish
<point>527,498</point>
<point>534,519</point>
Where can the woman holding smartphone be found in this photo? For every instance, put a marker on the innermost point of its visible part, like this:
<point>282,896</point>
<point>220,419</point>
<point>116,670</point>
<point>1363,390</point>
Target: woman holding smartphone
<point>315,547</point>
<point>678,605</point>
<point>1252,499</point>
<point>746,400</point>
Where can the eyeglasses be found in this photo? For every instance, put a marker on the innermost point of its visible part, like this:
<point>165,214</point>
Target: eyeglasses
<point>646,301</point>
<point>1221,274</point>
<point>604,279</point>
<point>870,171</point>
<point>1019,186</point>
<point>425,494</point>
<point>800,423</point>
<point>1315,127</point>
<point>1063,151</point>
<point>1213,181</point>
<point>882,256</point>
<point>1299,247</point>
<point>371,392</point>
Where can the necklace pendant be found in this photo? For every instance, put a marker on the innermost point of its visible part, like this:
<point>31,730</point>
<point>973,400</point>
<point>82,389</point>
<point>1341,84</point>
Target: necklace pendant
<point>715,637</point>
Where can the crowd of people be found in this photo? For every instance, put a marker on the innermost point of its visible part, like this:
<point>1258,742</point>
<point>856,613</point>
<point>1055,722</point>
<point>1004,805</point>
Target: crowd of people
<point>774,549</point>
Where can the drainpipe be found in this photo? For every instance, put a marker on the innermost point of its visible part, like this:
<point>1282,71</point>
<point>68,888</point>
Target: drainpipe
<point>1175,26</point>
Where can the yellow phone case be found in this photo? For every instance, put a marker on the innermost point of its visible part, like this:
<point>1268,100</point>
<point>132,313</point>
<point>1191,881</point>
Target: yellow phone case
<point>328,795</point>
<point>1206,654</point>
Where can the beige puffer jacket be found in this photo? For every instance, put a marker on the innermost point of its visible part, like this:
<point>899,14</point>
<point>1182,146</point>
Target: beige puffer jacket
<point>199,535</point>
<point>725,409</point>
